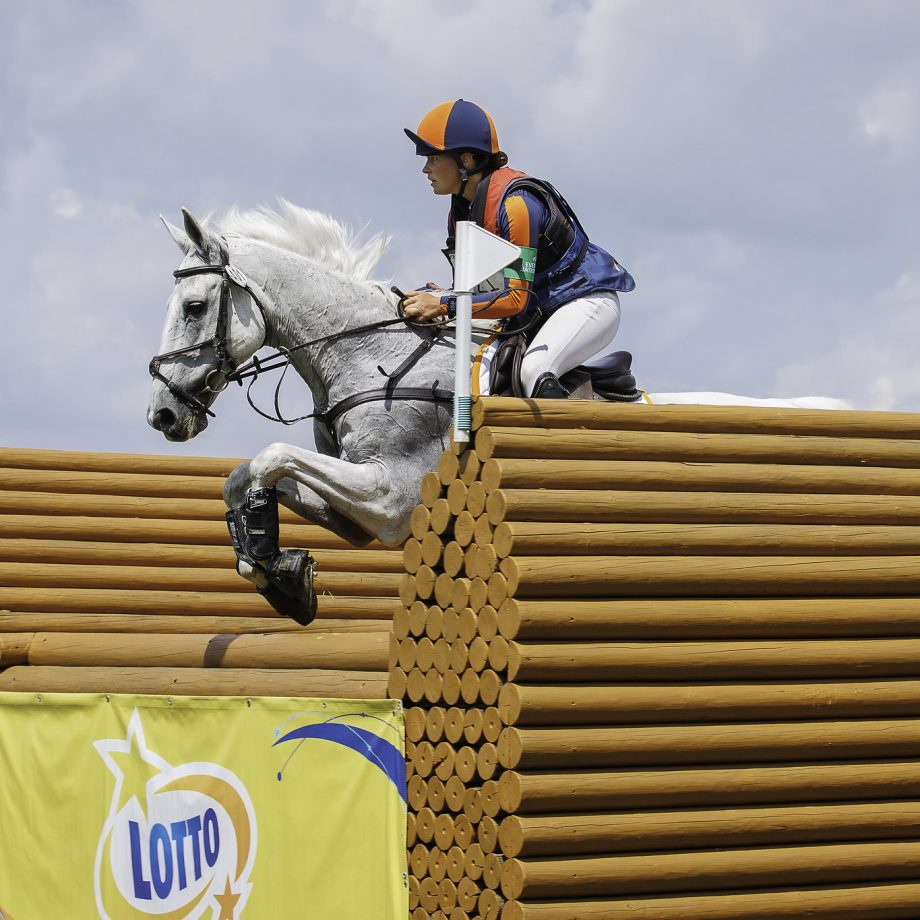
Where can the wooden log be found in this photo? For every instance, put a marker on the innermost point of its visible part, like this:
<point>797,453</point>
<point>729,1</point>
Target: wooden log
<point>412,555</point>
<point>492,724</point>
<point>418,618</point>
<point>430,489</point>
<point>93,483</point>
<point>523,538</point>
<point>806,659</point>
<point>443,590</point>
<point>702,618</point>
<point>863,902</point>
<point>483,530</point>
<point>434,623</point>
<point>212,603</point>
<point>487,623</point>
<point>512,412</point>
<point>454,718</point>
<point>440,516</point>
<point>453,558</point>
<point>469,561</point>
<point>490,685</point>
<point>594,834</point>
<point>698,477</point>
<point>463,528</point>
<point>419,521</point>
<point>442,656</point>
<point>606,506</point>
<point>676,576</point>
<point>454,794</point>
<point>97,462</point>
<point>444,832</point>
<point>156,623</point>
<point>197,681</point>
<point>624,704</point>
<point>448,468</point>
<point>129,529</point>
<point>549,444</point>
<point>434,723</point>
<point>584,748</point>
<point>541,793</point>
<point>450,688</point>
<point>456,497</point>
<point>648,874</point>
<point>476,499</point>
<point>435,794</point>
<point>174,578</point>
<point>415,723</point>
<point>318,651</point>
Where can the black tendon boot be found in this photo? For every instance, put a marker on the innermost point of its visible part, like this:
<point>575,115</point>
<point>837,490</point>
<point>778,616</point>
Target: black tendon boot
<point>254,531</point>
<point>548,387</point>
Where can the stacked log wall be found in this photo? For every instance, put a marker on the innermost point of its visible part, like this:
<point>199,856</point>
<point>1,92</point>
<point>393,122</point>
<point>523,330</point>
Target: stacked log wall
<point>117,575</point>
<point>664,662</point>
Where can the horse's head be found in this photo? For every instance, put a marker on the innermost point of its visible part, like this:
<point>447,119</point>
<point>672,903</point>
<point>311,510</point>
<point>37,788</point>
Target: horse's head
<point>213,323</point>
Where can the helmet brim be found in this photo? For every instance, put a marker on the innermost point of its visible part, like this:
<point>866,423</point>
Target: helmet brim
<point>422,147</point>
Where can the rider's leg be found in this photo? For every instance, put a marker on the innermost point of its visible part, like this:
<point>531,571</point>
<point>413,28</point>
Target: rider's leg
<point>571,335</point>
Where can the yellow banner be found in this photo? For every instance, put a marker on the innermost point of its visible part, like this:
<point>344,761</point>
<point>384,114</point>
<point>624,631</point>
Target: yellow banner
<point>128,807</point>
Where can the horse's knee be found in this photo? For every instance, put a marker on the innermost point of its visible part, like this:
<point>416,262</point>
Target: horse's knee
<point>268,465</point>
<point>236,485</point>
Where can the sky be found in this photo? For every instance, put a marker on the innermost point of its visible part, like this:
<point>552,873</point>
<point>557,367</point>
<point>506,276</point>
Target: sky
<point>753,163</point>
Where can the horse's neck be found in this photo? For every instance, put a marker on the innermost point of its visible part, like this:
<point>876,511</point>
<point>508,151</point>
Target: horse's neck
<point>308,302</point>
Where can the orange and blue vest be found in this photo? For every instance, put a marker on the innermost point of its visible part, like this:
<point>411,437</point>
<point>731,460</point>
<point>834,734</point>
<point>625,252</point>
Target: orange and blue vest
<point>558,262</point>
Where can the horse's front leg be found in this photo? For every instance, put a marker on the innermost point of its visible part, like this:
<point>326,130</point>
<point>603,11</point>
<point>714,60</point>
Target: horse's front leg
<point>302,500</point>
<point>362,496</point>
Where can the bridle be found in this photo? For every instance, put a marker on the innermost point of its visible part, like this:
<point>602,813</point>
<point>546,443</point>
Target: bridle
<point>224,364</point>
<point>225,369</point>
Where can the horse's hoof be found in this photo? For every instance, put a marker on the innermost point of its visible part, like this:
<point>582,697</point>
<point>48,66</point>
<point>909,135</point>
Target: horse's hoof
<point>290,585</point>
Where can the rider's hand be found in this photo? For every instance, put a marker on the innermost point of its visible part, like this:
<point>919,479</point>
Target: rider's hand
<point>421,306</point>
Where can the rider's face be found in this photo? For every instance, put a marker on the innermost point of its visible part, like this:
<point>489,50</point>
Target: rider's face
<point>443,173</point>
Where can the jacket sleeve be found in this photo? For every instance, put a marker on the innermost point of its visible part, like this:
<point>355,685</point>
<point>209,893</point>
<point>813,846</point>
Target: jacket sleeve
<point>520,221</point>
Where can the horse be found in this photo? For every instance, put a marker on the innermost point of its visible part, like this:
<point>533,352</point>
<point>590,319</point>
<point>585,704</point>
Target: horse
<point>299,281</point>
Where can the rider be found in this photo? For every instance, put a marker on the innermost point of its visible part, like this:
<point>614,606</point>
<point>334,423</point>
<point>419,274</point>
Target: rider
<point>571,280</point>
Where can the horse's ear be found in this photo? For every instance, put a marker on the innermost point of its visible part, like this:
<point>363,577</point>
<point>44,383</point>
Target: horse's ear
<point>200,238</point>
<point>180,236</point>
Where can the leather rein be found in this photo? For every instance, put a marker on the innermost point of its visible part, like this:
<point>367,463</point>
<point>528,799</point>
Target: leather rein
<point>225,370</point>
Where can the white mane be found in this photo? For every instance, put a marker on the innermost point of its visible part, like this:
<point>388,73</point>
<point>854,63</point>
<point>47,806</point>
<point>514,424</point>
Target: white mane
<point>311,234</point>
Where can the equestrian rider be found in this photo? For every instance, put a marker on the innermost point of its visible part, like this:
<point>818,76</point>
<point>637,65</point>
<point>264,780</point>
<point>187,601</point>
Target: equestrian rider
<point>571,280</point>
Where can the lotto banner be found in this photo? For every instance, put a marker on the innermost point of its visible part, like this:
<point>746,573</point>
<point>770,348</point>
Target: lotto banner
<point>129,807</point>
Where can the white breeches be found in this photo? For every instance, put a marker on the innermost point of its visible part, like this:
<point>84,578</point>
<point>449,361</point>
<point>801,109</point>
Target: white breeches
<point>572,334</point>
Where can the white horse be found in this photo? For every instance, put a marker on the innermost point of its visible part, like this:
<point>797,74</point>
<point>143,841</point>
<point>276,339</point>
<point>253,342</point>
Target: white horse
<point>283,279</point>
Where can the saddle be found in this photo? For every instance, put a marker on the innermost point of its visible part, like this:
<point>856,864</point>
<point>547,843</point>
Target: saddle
<point>610,380</point>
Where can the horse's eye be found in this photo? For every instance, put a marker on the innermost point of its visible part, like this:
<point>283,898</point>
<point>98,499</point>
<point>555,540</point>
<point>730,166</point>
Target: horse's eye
<point>195,309</point>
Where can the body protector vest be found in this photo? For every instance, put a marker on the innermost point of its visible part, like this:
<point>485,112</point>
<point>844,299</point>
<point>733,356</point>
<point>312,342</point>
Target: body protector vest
<point>568,265</point>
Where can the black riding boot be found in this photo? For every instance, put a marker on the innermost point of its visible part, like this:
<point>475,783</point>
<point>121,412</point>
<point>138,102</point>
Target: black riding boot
<point>548,387</point>
<point>254,531</point>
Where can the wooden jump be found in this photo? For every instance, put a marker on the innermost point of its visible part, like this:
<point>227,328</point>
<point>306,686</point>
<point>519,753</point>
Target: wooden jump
<point>663,663</point>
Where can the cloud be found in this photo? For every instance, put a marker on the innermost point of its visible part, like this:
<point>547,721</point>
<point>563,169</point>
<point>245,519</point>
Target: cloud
<point>754,165</point>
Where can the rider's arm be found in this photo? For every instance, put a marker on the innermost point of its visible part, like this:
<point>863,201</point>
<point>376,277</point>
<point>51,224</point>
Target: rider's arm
<point>520,220</point>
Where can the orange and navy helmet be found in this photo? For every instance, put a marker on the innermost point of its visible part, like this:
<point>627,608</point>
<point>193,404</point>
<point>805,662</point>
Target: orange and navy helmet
<point>454,126</point>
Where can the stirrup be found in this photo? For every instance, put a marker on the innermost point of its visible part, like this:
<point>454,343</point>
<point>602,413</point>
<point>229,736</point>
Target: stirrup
<point>548,387</point>
<point>290,585</point>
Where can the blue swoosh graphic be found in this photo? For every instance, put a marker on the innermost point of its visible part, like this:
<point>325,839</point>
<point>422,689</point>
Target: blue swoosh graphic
<point>380,753</point>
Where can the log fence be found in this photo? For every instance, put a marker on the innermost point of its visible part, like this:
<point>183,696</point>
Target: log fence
<point>664,662</point>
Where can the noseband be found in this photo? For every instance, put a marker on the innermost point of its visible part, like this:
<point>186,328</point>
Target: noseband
<point>220,373</point>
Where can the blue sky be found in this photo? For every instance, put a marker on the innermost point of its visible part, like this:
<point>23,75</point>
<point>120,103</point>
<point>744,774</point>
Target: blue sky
<point>754,165</point>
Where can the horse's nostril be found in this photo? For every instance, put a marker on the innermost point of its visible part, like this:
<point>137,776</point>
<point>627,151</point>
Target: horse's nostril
<point>164,419</point>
